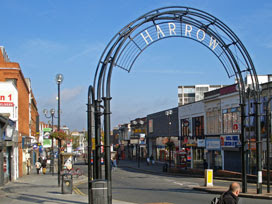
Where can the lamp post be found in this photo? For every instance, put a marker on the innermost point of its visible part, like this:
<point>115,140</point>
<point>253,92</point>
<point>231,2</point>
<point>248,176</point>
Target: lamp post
<point>138,147</point>
<point>52,113</point>
<point>268,131</point>
<point>168,113</point>
<point>59,79</point>
<point>257,93</point>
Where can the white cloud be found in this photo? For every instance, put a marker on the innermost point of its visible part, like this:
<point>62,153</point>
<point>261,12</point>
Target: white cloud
<point>70,94</point>
<point>88,51</point>
<point>42,44</point>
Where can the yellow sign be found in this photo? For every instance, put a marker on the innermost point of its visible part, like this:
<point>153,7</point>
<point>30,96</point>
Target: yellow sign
<point>93,143</point>
<point>139,131</point>
<point>209,176</point>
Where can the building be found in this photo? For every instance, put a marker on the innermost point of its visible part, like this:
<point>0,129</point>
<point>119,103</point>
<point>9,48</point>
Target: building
<point>191,127</point>
<point>126,143</point>
<point>223,128</point>
<point>27,109</point>
<point>138,137</point>
<point>190,94</point>
<point>162,128</point>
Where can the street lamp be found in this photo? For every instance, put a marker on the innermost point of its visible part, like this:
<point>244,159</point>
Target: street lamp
<point>52,113</point>
<point>168,113</point>
<point>59,79</point>
<point>138,147</point>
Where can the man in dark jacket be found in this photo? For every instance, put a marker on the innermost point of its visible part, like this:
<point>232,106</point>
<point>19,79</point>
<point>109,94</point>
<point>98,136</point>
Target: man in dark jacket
<point>231,196</point>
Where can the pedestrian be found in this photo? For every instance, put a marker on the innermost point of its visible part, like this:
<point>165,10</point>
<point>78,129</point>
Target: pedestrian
<point>28,165</point>
<point>205,164</point>
<point>44,166</point>
<point>152,159</point>
<point>231,196</point>
<point>147,161</point>
<point>38,166</point>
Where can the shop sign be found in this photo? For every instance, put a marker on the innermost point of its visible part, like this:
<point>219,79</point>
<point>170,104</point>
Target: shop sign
<point>134,141</point>
<point>191,142</point>
<point>47,129</point>
<point>213,143</point>
<point>230,141</point>
<point>252,144</point>
<point>6,99</point>
<point>201,142</point>
<point>124,142</point>
<point>142,142</point>
<point>47,143</point>
<point>35,146</point>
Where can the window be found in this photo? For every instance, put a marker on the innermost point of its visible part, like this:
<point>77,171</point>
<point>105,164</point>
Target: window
<point>213,121</point>
<point>231,120</point>
<point>198,127</point>
<point>185,127</point>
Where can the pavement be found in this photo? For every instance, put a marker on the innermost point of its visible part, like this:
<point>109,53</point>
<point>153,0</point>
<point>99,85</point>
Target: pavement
<point>158,166</point>
<point>39,188</point>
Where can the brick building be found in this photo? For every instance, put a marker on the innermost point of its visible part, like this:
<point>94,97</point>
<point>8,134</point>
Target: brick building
<point>27,109</point>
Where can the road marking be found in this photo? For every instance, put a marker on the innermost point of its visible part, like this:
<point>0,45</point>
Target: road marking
<point>77,191</point>
<point>160,203</point>
<point>181,184</point>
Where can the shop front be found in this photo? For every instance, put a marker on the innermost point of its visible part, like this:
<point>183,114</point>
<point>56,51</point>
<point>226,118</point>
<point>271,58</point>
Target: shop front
<point>10,152</point>
<point>230,145</point>
<point>213,153</point>
<point>162,148</point>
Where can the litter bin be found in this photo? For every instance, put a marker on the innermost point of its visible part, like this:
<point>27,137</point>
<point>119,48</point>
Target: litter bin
<point>99,190</point>
<point>165,168</point>
<point>67,184</point>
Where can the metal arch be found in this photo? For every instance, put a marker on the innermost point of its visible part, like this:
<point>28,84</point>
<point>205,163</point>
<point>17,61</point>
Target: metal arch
<point>127,30</point>
<point>125,37</point>
<point>229,42</point>
<point>213,34</point>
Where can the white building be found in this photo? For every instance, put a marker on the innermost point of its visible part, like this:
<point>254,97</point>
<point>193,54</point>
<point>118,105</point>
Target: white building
<point>190,94</point>
<point>9,108</point>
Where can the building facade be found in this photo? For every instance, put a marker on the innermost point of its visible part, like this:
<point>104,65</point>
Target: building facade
<point>162,128</point>
<point>190,94</point>
<point>27,109</point>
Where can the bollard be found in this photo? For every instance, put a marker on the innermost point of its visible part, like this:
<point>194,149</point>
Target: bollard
<point>208,177</point>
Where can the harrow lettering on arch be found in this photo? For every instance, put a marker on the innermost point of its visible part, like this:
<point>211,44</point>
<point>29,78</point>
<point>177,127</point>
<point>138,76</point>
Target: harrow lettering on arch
<point>171,30</point>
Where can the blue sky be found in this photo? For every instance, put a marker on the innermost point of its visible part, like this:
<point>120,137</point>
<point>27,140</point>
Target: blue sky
<point>63,36</point>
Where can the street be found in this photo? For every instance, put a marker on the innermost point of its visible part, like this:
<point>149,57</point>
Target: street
<point>132,185</point>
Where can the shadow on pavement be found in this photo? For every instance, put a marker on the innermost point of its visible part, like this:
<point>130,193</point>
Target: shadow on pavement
<point>41,199</point>
<point>176,190</point>
<point>133,169</point>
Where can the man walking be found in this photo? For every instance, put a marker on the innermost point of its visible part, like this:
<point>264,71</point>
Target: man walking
<point>231,196</point>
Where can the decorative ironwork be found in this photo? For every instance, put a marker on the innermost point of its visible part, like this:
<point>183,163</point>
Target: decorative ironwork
<point>127,45</point>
